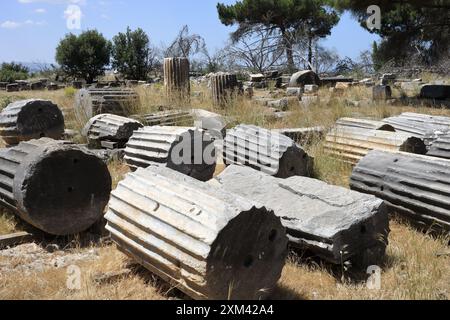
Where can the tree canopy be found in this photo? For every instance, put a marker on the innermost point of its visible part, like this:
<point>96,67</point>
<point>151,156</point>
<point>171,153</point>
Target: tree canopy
<point>132,55</point>
<point>293,19</point>
<point>84,56</point>
<point>408,28</point>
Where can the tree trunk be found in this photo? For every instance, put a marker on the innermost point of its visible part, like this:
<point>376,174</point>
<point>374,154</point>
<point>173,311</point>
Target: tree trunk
<point>310,52</point>
<point>289,52</point>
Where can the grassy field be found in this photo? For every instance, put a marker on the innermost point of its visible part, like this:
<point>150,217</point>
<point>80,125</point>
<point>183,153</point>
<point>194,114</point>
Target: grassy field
<point>414,268</point>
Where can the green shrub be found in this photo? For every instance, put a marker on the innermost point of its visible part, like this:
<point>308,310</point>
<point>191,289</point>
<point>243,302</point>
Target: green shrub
<point>69,92</point>
<point>10,72</point>
<point>4,102</point>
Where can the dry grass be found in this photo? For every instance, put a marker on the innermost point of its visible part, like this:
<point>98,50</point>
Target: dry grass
<point>8,222</point>
<point>52,283</point>
<point>412,269</point>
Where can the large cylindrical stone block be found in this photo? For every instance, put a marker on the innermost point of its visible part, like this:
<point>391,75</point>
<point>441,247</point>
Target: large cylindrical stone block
<point>302,78</point>
<point>206,242</point>
<point>412,185</point>
<point>351,144</point>
<point>176,78</point>
<point>178,118</point>
<point>59,188</point>
<point>381,92</point>
<point>266,151</point>
<point>110,128</point>
<point>424,126</point>
<point>440,148</point>
<point>364,124</point>
<point>223,86</point>
<point>334,223</point>
<point>31,119</point>
<point>94,101</point>
<point>187,150</point>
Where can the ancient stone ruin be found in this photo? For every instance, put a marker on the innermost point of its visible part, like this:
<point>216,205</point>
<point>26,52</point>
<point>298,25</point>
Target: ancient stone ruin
<point>93,101</point>
<point>412,185</point>
<point>176,78</point>
<point>266,151</point>
<point>223,87</point>
<point>178,118</point>
<point>351,144</point>
<point>423,126</point>
<point>381,92</point>
<point>31,119</point>
<point>206,242</point>
<point>437,92</point>
<point>57,187</point>
<point>179,148</point>
<point>334,223</point>
<point>110,131</point>
<point>364,124</point>
<point>302,78</point>
<point>440,148</point>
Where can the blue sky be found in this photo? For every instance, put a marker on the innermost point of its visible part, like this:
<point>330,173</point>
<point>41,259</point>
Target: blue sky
<point>31,29</point>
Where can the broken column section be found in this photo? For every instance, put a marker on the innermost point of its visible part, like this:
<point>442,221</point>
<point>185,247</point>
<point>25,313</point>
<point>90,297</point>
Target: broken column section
<point>95,101</point>
<point>31,119</point>
<point>178,118</point>
<point>110,131</point>
<point>176,78</point>
<point>187,150</point>
<point>440,148</point>
<point>223,86</point>
<point>59,188</point>
<point>206,242</point>
<point>415,186</point>
<point>423,126</point>
<point>351,144</point>
<point>364,124</point>
<point>266,151</point>
<point>381,92</point>
<point>334,223</point>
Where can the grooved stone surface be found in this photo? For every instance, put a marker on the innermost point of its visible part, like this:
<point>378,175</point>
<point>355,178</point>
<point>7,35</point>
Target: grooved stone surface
<point>59,188</point>
<point>31,119</point>
<point>208,243</point>
<point>333,222</point>
<point>416,186</point>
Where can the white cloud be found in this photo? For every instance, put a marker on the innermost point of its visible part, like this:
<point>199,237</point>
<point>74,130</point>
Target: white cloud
<point>10,25</point>
<point>16,24</point>
<point>40,10</point>
<point>79,2</point>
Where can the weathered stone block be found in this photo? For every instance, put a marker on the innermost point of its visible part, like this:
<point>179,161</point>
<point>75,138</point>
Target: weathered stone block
<point>31,119</point>
<point>206,242</point>
<point>59,188</point>
<point>336,224</point>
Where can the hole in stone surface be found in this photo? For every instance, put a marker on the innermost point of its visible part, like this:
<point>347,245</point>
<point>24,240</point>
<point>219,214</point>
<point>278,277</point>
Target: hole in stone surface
<point>363,229</point>
<point>248,262</point>
<point>70,189</point>
<point>396,160</point>
<point>42,135</point>
<point>273,235</point>
<point>382,188</point>
<point>292,169</point>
